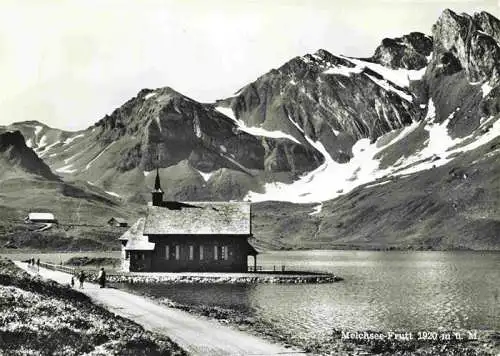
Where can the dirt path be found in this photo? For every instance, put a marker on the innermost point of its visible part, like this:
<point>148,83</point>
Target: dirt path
<point>196,335</point>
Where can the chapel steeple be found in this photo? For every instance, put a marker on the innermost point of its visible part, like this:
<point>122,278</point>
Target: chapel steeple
<point>157,193</point>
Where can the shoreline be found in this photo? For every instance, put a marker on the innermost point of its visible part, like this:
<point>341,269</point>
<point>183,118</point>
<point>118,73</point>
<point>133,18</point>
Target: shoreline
<point>273,277</point>
<point>224,278</point>
<point>487,343</point>
<point>10,251</point>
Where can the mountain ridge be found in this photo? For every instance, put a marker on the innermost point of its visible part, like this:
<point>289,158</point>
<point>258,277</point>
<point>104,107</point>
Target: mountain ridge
<point>320,131</point>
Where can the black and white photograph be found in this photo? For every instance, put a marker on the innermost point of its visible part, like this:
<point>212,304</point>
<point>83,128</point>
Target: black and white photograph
<point>249,177</point>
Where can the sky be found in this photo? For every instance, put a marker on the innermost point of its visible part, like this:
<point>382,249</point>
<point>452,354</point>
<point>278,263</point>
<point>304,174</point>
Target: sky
<point>69,63</point>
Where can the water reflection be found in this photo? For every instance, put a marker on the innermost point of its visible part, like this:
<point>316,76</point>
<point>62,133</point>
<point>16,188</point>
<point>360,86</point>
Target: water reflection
<point>381,291</point>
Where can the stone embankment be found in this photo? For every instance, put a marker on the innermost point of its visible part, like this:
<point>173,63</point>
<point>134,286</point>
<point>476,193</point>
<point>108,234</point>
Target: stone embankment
<point>229,278</point>
<point>288,277</point>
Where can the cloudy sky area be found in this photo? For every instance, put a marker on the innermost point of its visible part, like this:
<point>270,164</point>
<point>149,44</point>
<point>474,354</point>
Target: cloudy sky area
<point>68,63</point>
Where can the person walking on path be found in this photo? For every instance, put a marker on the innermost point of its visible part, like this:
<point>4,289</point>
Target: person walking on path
<point>38,265</point>
<point>72,281</point>
<point>102,277</point>
<point>81,278</point>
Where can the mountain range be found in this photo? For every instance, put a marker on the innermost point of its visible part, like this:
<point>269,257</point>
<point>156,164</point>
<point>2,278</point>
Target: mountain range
<point>399,150</point>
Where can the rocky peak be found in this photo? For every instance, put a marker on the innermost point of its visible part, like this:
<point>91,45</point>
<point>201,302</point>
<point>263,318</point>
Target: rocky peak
<point>137,112</point>
<point>409,52</point>
<point>29,122</point>
<point>469,41</point>
<point>451,32</point>
<point>488,24</point>
<point>310,65</point>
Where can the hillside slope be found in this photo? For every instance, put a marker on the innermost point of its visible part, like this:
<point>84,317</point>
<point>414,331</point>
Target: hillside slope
<point>396,150</point>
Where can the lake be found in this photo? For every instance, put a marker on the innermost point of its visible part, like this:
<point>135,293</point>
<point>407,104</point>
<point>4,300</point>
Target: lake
<point>382,291</point>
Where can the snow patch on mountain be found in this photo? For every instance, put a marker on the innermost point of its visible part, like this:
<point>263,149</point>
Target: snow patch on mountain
<point>255,131</point>
<point>159,123</point>
<point>99,155</point>
<point>344,70</point>
<point>38,129</point>
<point>332,179</point>
<point>336,132</point>
<point>329,180</point>
<point>67,160</point>
<point>400,77</point>
<point>227,112</point>
<point>47,149</point>
<point>66,169</point>
<point>295,124</point>
<point>440,147</point>
<point>385,85</point>
<point>205,176</point>
<point>378,184</point>
<point>71,139</point>
<point>113,194</point>
<point>316,209</point>
<point>150,95</point>
<point>43,141</point>
<point>486,88</point>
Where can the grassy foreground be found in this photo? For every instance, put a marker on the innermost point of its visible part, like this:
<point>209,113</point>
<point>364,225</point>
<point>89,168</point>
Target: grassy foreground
<point>45,318</point>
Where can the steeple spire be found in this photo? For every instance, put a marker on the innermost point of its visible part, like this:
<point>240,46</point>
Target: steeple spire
<point>157,180</point>
<point>157,193</point>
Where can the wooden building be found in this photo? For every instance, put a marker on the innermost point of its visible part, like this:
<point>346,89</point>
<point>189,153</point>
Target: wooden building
<point>189,236</point>
<point>118,222</point>
<point>47,218</point>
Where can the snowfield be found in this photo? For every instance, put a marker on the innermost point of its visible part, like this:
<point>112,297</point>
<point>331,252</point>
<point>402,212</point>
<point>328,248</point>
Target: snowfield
<point>333,179</point>
<point>400,77</point>
<point>150,95</point>
<point>66,169</point>
<point>254,131</point>
<point>113,194</point>
<point>392,77</point>
<point>47,149</point>
<point>71,139</point>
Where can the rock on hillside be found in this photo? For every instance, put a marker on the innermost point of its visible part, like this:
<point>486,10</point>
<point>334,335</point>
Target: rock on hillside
<point>463,77</point>
<point>17,159</point>
<point>409,51</point>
